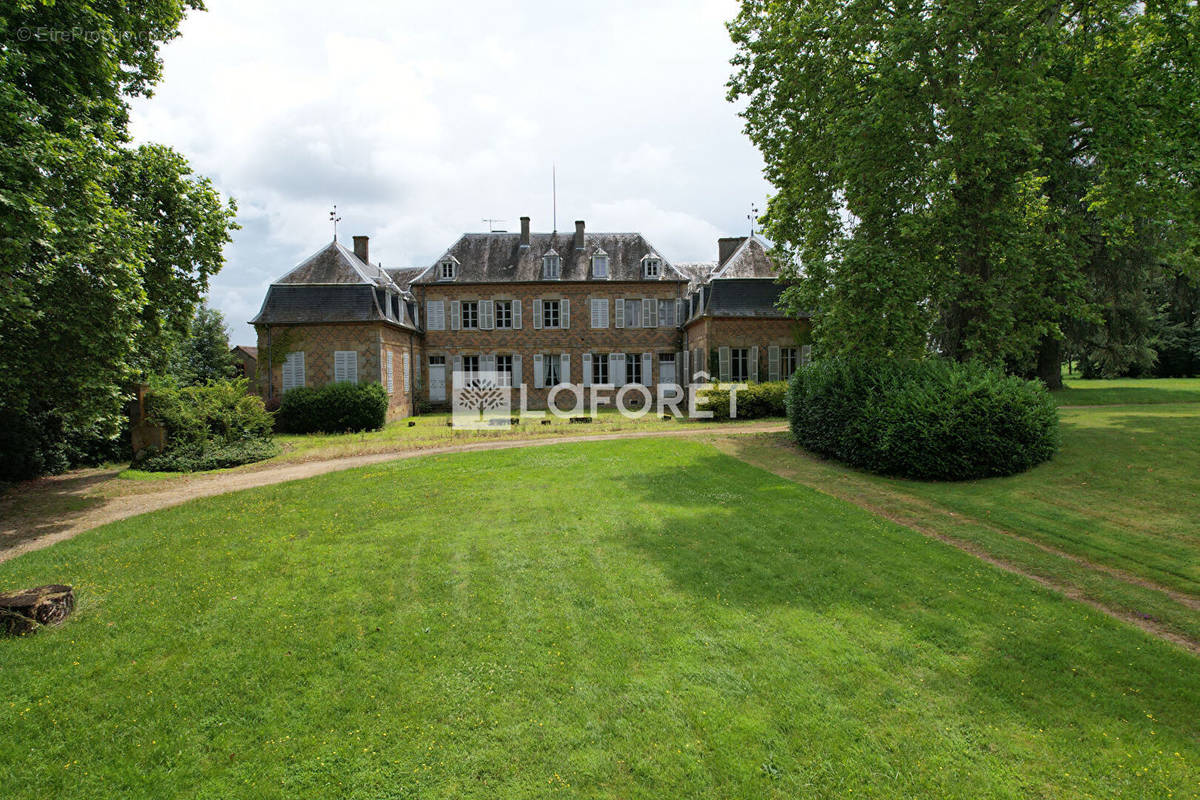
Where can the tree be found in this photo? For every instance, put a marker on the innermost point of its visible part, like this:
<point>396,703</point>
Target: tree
<point>950,176</point>
<point>204,354</point>
<point>102,247</point>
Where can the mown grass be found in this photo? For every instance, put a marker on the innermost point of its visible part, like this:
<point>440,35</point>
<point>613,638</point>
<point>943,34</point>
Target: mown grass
<point>618,619</point>
<point>1128,391</point>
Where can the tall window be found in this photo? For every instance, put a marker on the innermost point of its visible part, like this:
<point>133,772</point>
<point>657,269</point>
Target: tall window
<point>504,315</point>
<point>551,369</point>
<point>788,357</point>
<point>504,370</point>
<point>633,313</point>
<point>653,267</point>
<point>470,365</point>
<point>599,312</point>
<point>470,314</point>
<point>739,364</point>
<point>345,366</point>
<point>293,370</point>
<point>550,314</point>
<point>666,313</point>
<point>599,368</point>
<point>600,265</point>
<point>551,265</point>
<point>633,368</point>
<point>435,315</point>
<point>446,272</point>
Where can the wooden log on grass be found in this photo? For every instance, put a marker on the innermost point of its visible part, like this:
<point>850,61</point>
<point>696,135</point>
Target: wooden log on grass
<point>23,611</point>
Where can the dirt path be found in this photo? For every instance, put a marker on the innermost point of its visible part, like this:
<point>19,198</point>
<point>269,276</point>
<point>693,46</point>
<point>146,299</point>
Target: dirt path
<point>18,539</point>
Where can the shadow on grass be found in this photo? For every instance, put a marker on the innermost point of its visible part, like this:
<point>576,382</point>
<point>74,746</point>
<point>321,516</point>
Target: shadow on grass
<point>42,506</point>
<point>1124,395</point>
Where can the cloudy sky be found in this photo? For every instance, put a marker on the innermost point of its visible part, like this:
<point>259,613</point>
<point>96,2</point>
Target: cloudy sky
<point>421,119</point>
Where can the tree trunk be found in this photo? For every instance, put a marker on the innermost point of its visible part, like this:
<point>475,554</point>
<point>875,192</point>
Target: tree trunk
<point>1049,362</point>
<point>24,610</point>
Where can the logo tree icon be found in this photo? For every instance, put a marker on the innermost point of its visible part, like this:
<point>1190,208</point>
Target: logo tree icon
<point>481,395</point>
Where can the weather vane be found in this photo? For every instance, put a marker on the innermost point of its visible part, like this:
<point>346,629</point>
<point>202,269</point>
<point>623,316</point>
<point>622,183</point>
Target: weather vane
<point>753,217</point>
<point>335,219</point>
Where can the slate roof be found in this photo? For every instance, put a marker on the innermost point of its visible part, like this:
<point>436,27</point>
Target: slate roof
<point>247,349</point>
<point>749,260</point>
<point>697,272</point>
<point>403,276</point>
<point>499,258</point>
<point>742,297</point>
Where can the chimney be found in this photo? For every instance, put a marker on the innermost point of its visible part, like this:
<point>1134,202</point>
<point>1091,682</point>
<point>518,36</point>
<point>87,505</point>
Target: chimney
<point>524,231</point>
<point>360,249</point>
<point>578,234</point>
<point>726,246</point>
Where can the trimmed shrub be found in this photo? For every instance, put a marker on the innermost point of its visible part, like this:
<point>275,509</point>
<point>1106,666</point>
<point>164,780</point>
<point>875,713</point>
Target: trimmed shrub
<point>333,408</point>
<point>754,402</point>
<point>929,420</point>
<point>207,427</point>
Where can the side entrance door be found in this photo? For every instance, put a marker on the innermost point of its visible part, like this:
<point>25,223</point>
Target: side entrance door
<point>437,379</point>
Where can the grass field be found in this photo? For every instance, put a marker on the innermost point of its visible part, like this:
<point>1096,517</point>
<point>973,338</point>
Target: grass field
<point>619,619</point>
<point>1129,391</point>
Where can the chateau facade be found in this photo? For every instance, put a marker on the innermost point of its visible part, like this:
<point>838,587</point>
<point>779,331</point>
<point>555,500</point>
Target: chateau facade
<point>539,309</point>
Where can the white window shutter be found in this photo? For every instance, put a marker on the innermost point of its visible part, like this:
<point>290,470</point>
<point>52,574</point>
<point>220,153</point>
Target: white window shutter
<point>516,315</point>
<point>619,313</point>
<point>455,315</point>
<point>566,367</point>
<point>407,373</point>
<point>516,374</point>
<point>773,362</point>
<point>678,313</point>
<point>539,377</point>
<point>391,379</point>
<point>537,312</point>
<point>293,371</point>
<point>435,315</point>
<point>754,363</point>
<point>616,369</point>
<point>339,366</point>
<point>723,368</point>
<point>647,369</point>
<point>487,314</point>
<point>565,313</point>
<point>487,363</point>
<point>649,312</point>
<point>456,368</point>
<point>345,366</point>
<point>586,360</point>
<point>685,376</point>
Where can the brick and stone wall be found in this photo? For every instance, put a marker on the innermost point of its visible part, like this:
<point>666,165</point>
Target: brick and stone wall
<point>708,334</point>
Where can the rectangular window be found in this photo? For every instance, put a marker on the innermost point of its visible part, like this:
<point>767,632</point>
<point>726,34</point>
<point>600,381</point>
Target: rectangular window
<point>551,266</point>
<point>550,314</point>
<point>470,366</point>
<point>633,313</point>
<point>447,271</point>
<point>666,313</point>
<point>788,357</point>
<point>435,315</point>
<point>293,371</point>
<point>391,384</point>
<point>551,369</point>
<point>633,368</point>
<point>599,266</point>
<point>739,366</point>
<point>599,368</point>
<point>652,267</point>
<point>470,314</point>
<point>345,366</point>
<point>504,370</point>
<point>599,312</point>
<point>504,315</point>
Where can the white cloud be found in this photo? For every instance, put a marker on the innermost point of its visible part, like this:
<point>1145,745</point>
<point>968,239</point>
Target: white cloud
<point>419,121</point>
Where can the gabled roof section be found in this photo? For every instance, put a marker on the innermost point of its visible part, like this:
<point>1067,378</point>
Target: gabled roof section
<point>749,260</point>
<point>499,258</point>
<point>404,276</point>
<point>333,263</point>
<point>742,297</point>
<point>697,272</point>
<point>292,304</point>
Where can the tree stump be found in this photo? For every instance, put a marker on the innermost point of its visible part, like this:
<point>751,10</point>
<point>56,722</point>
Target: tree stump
<point>23,611</point>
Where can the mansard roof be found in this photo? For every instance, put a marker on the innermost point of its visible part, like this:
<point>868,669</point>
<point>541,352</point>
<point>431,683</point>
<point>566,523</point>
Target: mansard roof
<point>742,297</point>
<point>500,258</point>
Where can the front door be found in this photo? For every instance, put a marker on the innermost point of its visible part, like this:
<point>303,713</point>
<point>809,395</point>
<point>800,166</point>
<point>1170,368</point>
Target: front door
<point>437,381</point>
<point>666,370</point>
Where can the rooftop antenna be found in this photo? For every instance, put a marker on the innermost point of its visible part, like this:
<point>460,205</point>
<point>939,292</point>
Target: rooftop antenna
<point>753,217</point>
<point>491,223</point>
<point>335,219</point>
<point>554,192</point>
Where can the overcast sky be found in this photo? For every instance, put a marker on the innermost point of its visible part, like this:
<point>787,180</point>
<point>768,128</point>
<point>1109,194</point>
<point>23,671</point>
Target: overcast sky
<point>421,119</point>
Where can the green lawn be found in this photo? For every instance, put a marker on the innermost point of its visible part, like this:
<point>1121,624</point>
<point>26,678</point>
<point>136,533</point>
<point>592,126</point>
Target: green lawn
<point>619,619</point>
<point>1128,391</point>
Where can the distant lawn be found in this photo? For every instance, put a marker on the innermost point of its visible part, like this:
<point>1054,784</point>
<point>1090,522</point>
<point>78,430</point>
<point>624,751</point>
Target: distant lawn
<point>1080,392</point>
<point>622,619</point>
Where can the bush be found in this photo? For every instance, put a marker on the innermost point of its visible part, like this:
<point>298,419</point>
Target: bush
<point>754,402</point>
<point>208,427</point>
<point>930,420</point>
<point>333,408</point>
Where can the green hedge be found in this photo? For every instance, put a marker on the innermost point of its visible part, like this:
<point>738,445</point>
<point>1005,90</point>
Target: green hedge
<point>333,408</point>
<point>930,420</point>
<point>754,402</point>
<point>207,427</point>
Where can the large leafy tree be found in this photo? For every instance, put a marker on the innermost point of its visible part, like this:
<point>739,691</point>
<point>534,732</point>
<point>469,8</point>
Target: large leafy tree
<point>951,177</point>
<point>203,354</point>
<point>104,249</point>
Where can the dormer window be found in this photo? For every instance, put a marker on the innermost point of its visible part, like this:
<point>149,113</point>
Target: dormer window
<point>551,266</point>
<point>600,264</point>
<point>447,270</point>
<point>652,267</point>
